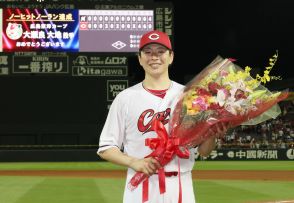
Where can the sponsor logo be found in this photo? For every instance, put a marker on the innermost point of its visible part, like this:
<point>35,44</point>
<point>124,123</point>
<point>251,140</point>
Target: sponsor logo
<point>290,153</point>
<point>114,87</point>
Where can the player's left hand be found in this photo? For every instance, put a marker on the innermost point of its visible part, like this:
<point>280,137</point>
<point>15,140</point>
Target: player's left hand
<point>149,165</point>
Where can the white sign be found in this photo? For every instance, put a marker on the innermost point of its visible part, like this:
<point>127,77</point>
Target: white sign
<point>114,87</point>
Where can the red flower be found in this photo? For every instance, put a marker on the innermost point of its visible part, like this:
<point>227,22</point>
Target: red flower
<point>202,92</point>
<point>214,106</point>
<point>213,87</point>
<point>240,94</point>
<point>232,59</point>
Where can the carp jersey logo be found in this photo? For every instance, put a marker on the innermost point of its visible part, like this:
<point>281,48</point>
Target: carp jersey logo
<point>148,116</point>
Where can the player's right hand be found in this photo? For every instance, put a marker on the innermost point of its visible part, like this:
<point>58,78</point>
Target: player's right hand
<point>147,166</point>
<point>219,130</point>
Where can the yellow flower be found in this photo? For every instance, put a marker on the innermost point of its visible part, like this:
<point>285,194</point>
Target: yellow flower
<point>266,77</point>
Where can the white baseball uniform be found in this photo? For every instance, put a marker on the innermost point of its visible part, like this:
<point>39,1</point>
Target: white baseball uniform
<point>128,124</point>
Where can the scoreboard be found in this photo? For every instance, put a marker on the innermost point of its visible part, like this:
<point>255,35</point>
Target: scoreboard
<point>66,27</point>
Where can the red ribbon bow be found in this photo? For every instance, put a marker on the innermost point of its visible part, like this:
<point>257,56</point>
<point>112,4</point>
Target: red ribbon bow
<point>164,149</point>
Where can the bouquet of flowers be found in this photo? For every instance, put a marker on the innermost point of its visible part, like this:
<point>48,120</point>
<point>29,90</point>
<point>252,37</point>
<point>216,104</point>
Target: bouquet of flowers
<point>224,92</point>
<point>221,93</point>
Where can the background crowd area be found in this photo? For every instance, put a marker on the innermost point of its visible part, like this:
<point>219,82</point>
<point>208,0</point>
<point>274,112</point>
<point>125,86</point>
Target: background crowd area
<point>275,133</point>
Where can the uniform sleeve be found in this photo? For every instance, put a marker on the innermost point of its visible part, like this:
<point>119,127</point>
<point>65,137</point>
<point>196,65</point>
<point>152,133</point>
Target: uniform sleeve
<point>113,132</point>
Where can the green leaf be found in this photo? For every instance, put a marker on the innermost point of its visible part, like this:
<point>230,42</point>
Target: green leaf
<point>257,94</point>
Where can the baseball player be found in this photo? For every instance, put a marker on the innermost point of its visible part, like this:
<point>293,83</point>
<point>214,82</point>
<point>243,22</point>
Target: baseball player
<point>129,120</point>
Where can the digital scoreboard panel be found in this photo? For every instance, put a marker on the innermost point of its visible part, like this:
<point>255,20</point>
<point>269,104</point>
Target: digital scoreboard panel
<point>40,30</point>
<point>108,28</point>
<point>113,30</point>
